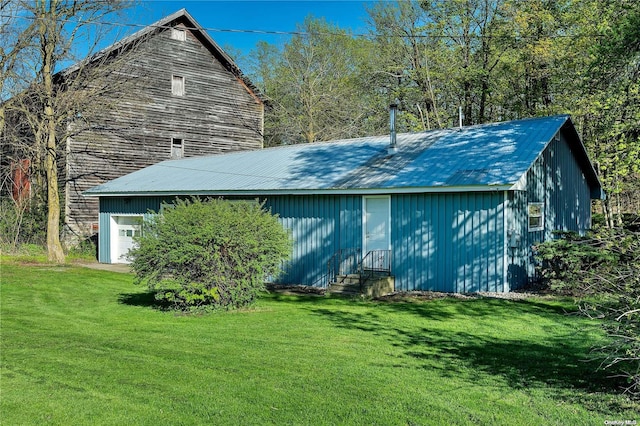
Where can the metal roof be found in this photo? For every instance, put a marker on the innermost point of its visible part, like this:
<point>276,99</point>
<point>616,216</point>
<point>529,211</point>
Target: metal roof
<point>473,158</point>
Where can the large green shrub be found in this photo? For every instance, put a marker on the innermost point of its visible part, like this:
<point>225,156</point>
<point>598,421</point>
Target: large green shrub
<point>563,261</point>
<point>603,270</point>
<point>211,253</point>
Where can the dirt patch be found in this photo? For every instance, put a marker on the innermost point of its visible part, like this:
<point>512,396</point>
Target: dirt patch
<point>407,296</point>
<point>113,267</point>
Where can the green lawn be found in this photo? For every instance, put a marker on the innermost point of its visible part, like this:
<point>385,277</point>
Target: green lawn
<point>80,346</point>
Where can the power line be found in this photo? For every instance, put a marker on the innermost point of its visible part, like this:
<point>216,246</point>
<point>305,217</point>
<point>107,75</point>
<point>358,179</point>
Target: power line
<point>307,34</point>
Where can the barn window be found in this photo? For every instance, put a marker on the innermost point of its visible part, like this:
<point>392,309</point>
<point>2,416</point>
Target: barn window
<point>178,34</point>
<point>177,85</point>
<point>177,148</point>
<point>536,217</point>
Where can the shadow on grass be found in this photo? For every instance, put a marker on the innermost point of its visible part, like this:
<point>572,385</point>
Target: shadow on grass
<point>309,299</point>
<point>478,308</point>
<point>148,300</point>
<point>466,346</point>
<point>145,299</point>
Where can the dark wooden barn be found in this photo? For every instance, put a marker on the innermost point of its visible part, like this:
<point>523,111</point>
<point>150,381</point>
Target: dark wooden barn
<point>166,92</point>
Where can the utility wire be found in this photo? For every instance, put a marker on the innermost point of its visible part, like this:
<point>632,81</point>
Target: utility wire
<point>306,34</point>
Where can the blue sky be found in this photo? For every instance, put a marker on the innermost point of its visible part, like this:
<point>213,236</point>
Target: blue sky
<point>264,15</point>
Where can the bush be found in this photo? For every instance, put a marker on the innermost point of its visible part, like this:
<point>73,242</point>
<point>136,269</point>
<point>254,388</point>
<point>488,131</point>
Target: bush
<point>86,249</point>
<point>603,269</point>
<point>618,284</point>
<point>562,262</point>
<point>212,253</point>
<point>21,223</point>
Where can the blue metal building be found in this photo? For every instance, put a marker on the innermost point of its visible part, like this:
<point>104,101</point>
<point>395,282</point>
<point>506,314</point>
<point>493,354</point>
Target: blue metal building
<point>454,210</point>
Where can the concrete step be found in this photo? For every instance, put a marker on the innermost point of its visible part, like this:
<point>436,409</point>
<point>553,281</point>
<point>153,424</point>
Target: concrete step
<point>348,279</point>
<point>344,288</point>
<point>376,285</point>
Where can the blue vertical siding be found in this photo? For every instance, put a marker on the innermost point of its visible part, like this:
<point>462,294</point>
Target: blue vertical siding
<point>448,242</point>
<point>440,242</point>
<point>320,226</point>
<point>568,194</point>
<point>519,257</point>
<point>556,180</point>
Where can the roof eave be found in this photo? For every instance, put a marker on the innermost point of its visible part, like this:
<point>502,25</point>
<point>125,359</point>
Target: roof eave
<point>329,191</point>
<point>582,157</point>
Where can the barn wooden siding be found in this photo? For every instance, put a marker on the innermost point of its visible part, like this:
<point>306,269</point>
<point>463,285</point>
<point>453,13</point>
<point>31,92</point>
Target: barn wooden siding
<point>556,180</point>
<point>216,114</point>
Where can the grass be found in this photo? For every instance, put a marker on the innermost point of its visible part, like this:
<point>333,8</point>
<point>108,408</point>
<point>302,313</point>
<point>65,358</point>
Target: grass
<point>37,253</point>
<point>80,346</point>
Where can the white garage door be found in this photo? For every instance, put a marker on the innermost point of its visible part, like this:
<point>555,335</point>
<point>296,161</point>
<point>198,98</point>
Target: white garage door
<point>125,227</point>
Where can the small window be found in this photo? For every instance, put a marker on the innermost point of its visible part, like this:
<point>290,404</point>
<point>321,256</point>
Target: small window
<point>177,85</point>
<point>178,34</point>
<point>536,217</point>
<point>177,148</point>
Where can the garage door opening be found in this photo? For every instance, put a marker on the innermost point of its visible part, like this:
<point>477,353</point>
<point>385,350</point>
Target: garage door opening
<point>123,230</point>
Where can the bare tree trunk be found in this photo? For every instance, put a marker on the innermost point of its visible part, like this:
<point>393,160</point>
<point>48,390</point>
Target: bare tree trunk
<point>48,43</point>
<point>608,216</point>
<point>619,220</point>
<point>432,94</point>
<point>54,247</point>
<point>1,120</point>
<point>425,125</point>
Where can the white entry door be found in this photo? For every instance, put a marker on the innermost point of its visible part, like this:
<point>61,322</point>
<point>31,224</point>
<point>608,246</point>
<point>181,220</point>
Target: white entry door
<point>126,228</point>
<point>377,231</point>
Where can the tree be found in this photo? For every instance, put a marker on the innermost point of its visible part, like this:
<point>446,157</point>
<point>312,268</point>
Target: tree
<point>473,32</point>
<point>313,86</point>
<point>610,104</point>
<point>601,269</point>
<point>212,253</point>
<point>541,40</point>
<point>441,56</point>
<point>51,100</point>
<point>406,65</point>
<point>14,44</point>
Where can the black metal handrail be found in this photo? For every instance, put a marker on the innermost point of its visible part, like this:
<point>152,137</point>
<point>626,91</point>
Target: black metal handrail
<point>377,261</point>
<point>343,262</point>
